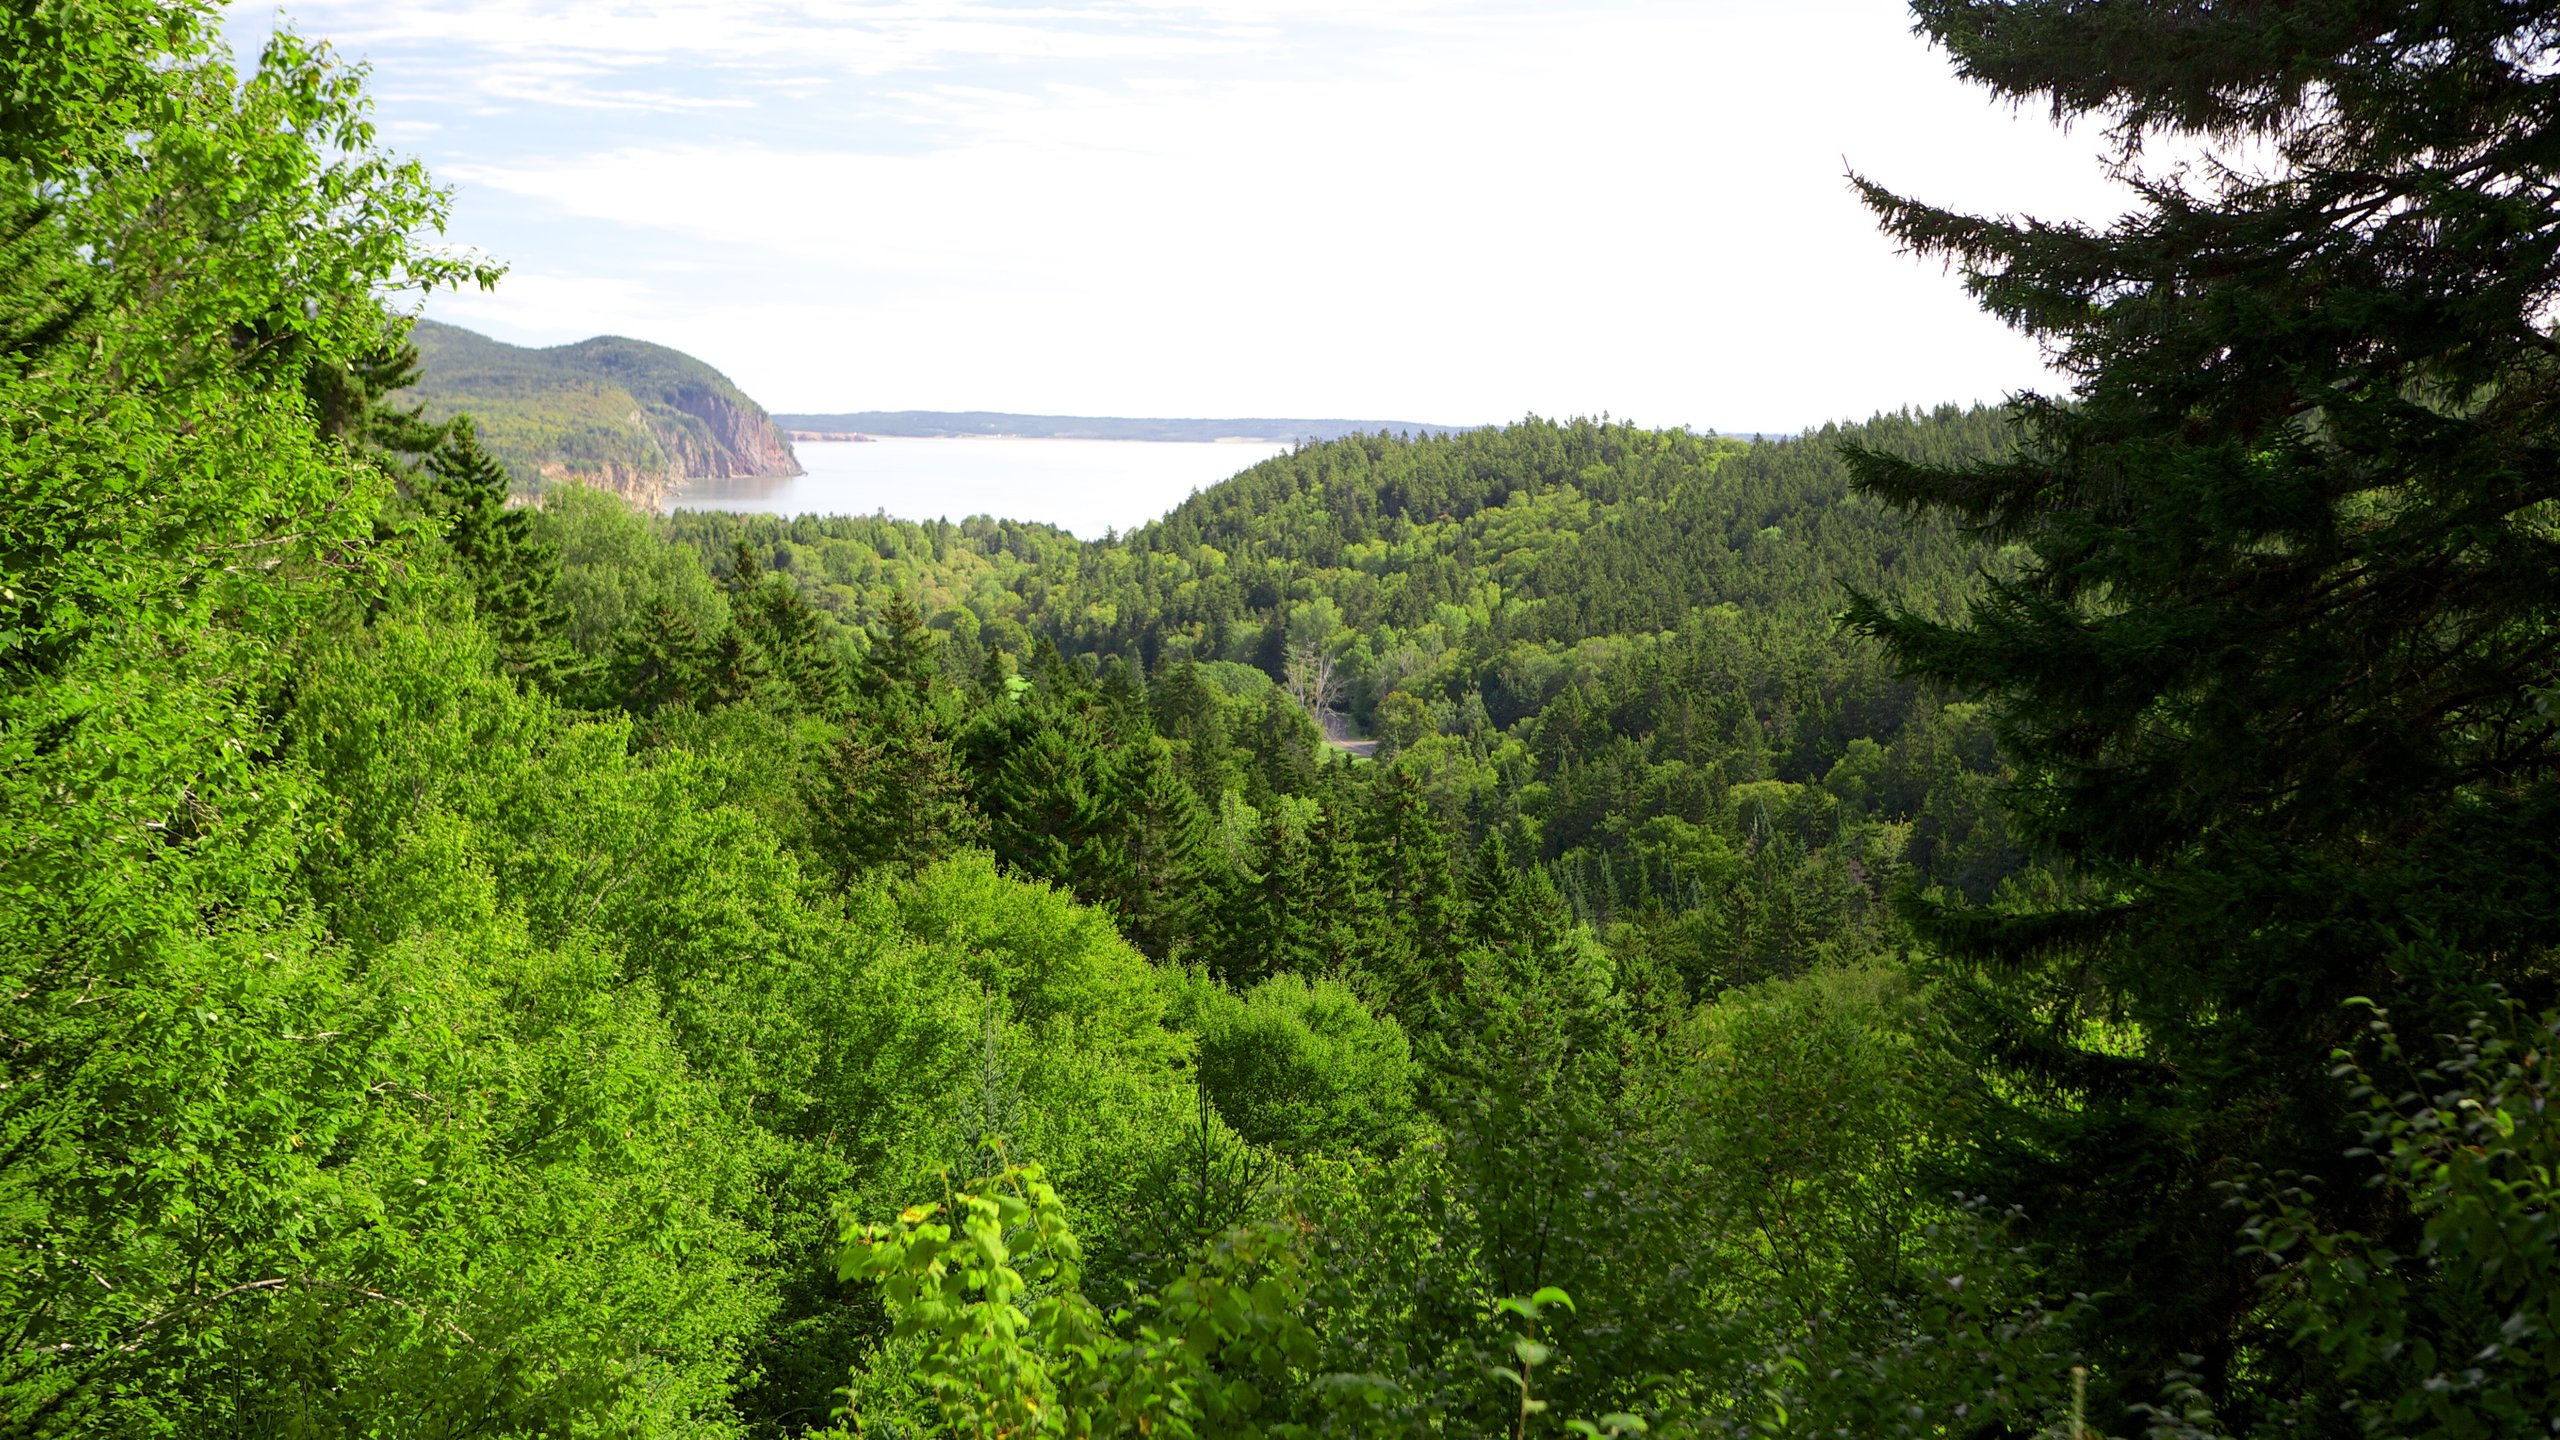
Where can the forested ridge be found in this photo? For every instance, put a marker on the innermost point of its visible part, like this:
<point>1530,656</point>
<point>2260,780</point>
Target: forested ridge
<point>1980,922</point>
<point>1612,653</point>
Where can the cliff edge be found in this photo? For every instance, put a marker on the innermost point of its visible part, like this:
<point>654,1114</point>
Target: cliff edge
<point>634,418</point>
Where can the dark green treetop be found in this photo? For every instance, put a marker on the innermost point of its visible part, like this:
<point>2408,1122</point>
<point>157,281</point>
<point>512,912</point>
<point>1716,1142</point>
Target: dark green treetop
<point>513,570</point>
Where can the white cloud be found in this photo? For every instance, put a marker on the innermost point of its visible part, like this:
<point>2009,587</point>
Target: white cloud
<point>858,38</point>
<point>1437,211</point>
<point>541,303</point>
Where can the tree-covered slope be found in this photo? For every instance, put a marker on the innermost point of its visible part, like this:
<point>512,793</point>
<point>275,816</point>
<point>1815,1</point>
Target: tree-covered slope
<point>627,415</point>
<point>1554,531</point>
<point>1613,652</point>
<point>470,968</point>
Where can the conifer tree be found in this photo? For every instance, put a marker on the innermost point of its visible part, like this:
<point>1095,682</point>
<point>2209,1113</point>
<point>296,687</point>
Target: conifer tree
<point>1037,776</point>
<point>891,790</point>
<point>777,651</point>
<point>661,660</point>
<point>350,399</point>
<point>734,671</point>
<point>1166,861</point>
<point>1189,714</point>
<point>513,571</point>
<point>993,673</point>
<point>1414,878</point>
<point>1122,697</point>
<point>1181,701</point>
<point>891,793</point>
<point>903,663</point>
<point>2289,587</point>
<point>1343,897</point>
<point>1285,744</point>
<point>1270,926</point>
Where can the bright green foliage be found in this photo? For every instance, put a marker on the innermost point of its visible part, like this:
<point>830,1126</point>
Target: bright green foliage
<point>1010,1346</point>
<point>1814,1107</point>
<point>615,569</point>
<point>1534,1076</point>
<point>395,1047</point>
<point>1084,1062</point>
<point>1528,1352</point>
<point>1303,1067</point>
<point>1470,583</point>
<point>391,1051</point>
<point>1552,1122</point>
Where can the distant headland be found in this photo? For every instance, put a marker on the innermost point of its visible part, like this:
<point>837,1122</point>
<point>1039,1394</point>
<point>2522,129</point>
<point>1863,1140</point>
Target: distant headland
<point>631,417</point>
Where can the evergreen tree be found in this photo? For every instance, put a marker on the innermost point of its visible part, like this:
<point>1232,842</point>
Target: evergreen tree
<point>1189,714</point>
<point>1170,875</point>
<point>903,664</point>
<point>1037,776</point>
<point>1414,879</point>
<point>891,794</point>
<point>350,401</point>
<point>778,651</point>
<point>1343,896</point>
<point>1122,698</point>
<point>735,672</point>
<point>1270,926</point>
<point>1285,745</point>
<point>1509,906</point>
<point>891,790</point>
<point>660,660</point>
<point>513,571</point>
<point>2289,588</point>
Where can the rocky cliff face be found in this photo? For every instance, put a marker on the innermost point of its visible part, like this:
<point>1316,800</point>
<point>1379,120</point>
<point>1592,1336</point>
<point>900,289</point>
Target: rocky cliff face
<point>726,439</point>
<point>645,487</point>
<point>623,415</point>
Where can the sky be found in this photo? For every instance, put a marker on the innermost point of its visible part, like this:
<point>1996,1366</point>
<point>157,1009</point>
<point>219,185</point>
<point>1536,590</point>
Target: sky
<point>1443,211</point>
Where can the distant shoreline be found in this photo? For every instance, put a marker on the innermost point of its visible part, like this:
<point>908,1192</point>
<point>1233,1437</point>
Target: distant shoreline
<point>828,437</point>
<point>860,425</point>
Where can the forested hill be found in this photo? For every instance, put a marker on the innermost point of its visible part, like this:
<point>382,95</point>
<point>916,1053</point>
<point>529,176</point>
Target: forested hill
<point>1583,528</point>
<point>1543,530</point>
<point>626,415</point>
<point>476,968</point>
<point>1587,641</point>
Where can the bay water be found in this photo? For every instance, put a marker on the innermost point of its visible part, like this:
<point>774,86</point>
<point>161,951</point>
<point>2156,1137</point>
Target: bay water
<point>1086,487</point>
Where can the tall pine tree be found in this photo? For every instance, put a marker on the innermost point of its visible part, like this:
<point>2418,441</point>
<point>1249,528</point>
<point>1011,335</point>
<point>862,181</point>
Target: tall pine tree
<point>1414,878</point>
<point>792,649</point>
<point>2288,590</point>
<point>890,791</point>
<point>513,571</point>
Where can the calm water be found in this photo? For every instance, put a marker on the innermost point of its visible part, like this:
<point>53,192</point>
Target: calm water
<point>1083,486</point>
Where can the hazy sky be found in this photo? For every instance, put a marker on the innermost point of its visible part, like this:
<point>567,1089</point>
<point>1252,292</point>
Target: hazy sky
<point>1402,209</point>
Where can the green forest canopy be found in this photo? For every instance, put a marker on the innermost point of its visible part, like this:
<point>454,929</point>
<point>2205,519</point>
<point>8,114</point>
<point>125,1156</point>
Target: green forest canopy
<point>557,970</point>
